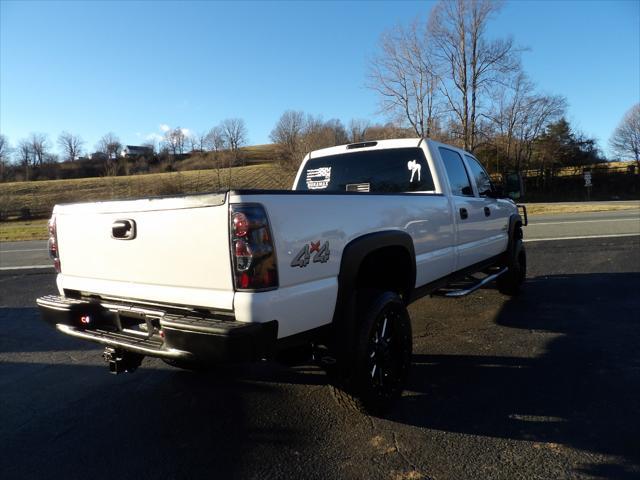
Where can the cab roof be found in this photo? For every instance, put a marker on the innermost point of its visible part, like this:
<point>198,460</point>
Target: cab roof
<point>366,146</point>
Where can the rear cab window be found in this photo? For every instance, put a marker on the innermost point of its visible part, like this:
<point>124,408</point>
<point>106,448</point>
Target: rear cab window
<point>456,172</point>
<point>391,170</point>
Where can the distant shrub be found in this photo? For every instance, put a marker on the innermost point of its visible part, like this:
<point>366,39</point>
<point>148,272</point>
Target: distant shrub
<point>25,213</point>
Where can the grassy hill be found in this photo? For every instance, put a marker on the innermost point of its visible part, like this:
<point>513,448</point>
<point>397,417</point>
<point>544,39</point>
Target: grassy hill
<point>37,198</point>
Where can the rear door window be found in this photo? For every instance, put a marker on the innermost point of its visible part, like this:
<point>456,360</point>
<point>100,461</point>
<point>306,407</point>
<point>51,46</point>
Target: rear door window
<point>457,173</point>
<point>386,170</point>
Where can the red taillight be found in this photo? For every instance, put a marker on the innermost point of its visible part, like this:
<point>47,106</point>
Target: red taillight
<point>254,258</point>
<point>240,224</point>
<point>245,281</point>
<point>53,243</point>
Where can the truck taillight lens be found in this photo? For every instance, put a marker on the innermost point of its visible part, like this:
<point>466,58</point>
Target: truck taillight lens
<point>252,249</point>
<point>52,245</point>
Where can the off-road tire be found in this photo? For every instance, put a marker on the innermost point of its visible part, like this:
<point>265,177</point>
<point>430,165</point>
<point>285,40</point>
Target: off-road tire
<point>382,356</point>
<point>509,283</point>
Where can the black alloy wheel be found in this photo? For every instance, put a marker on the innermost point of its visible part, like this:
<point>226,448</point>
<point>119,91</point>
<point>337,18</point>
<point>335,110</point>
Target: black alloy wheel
<point>382,356</point>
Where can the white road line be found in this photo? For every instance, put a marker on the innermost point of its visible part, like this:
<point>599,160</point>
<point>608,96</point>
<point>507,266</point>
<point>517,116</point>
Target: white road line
<point>581,237</point>
<point>588,221</point>
<point>27,250</point>
<point>26,267</point>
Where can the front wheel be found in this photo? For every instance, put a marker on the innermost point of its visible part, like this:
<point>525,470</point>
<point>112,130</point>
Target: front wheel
<point>383,349</point>
<point>510,282</point>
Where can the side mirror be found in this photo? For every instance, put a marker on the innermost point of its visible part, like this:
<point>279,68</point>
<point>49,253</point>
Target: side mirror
<point>496,192</point>
<point>514,187</point>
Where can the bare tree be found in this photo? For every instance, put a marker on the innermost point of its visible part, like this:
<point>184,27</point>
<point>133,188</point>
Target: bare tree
<point>215,142</point>
<point>405,77</point>
<point>287,134</point>
<point>194,143</point>
<point>518,117</point>
<point>315,135</point>
<point>625,140</point>
<point>110,145</point>
<point>357,130</point>
<point>39,147</point>
<point>336,130</point>
<point>198,142</point>
<point>25,157</point>
<point>170,142</point>
<point>509,109</point>
<point>215,139</point>
<point>470,64</point>
<point>175,141</point>
<point>4,148</point>
<point>540,111</point>
<point>5,152</point>
<point>71,145</point>
<point>235,134</point>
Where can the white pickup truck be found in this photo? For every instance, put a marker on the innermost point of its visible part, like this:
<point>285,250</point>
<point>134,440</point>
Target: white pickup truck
<point>367,229</point>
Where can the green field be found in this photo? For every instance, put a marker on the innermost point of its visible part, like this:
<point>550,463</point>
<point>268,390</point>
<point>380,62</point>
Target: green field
<point>18,230</point>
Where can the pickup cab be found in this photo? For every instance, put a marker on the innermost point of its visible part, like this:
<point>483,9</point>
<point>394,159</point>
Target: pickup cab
<point>237,275</point>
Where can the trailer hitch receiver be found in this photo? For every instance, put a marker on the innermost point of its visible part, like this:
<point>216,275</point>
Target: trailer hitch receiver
<point>120,361</point>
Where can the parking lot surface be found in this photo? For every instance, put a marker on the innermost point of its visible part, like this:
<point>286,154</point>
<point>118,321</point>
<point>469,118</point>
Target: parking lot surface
<point>546,385</point>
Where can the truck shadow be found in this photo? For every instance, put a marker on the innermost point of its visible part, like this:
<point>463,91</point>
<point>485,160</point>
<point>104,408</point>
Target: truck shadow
<point>64,416</point>
<point>77,421</point>
<point>581,391</point>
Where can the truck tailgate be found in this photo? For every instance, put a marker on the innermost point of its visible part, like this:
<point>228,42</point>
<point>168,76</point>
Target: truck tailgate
<point>179,253</point>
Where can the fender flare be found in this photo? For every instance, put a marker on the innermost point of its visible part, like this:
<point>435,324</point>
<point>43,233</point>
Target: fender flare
<point>514,220</point>
<point>353,255</point>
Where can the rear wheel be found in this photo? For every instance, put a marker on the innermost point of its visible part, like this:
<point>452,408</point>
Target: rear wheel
<point>383,348</point>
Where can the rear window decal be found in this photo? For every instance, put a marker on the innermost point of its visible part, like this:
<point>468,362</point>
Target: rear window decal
<point>413,166</point>
<point>358,187</point>
<point>318,178</point>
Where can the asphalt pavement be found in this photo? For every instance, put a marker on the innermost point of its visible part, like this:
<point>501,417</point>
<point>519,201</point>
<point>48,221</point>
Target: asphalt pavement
<point>622,222</point>
<point>33,253</point>
<point>545,385</point>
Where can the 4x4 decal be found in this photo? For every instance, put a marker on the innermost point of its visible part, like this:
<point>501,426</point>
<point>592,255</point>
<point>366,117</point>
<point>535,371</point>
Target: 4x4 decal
<point>303,257</point>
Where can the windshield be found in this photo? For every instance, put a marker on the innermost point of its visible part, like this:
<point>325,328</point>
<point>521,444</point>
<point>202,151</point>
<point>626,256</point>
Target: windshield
<point>387,170</point>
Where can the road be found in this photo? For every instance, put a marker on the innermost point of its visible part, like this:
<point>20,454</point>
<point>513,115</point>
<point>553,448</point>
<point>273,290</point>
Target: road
<point>623,222</point>
<point>18,255</point>
<point>546,385</point>
<point>14,255</point>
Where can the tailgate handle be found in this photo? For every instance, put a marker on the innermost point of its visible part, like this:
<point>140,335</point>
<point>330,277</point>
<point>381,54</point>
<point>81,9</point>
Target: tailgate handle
<point>123,230</point>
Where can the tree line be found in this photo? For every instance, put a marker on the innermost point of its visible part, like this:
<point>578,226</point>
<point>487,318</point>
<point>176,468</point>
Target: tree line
<point>442,78</point>
<point>36,150</point>
<point>445,78</point>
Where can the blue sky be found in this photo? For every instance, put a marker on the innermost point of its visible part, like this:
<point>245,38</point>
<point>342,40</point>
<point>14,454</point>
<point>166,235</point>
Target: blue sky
<point>131,67</point>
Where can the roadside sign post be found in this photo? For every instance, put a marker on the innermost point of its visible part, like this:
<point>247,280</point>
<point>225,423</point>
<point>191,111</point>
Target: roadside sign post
<point>587,183</point>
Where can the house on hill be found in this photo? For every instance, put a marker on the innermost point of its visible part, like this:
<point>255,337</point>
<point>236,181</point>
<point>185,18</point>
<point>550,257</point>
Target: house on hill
<point>135,151</point>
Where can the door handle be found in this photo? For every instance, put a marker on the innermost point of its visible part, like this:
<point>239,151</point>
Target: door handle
<point>463,213</point>
<point>123,230</point>
<point>487,211</point>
